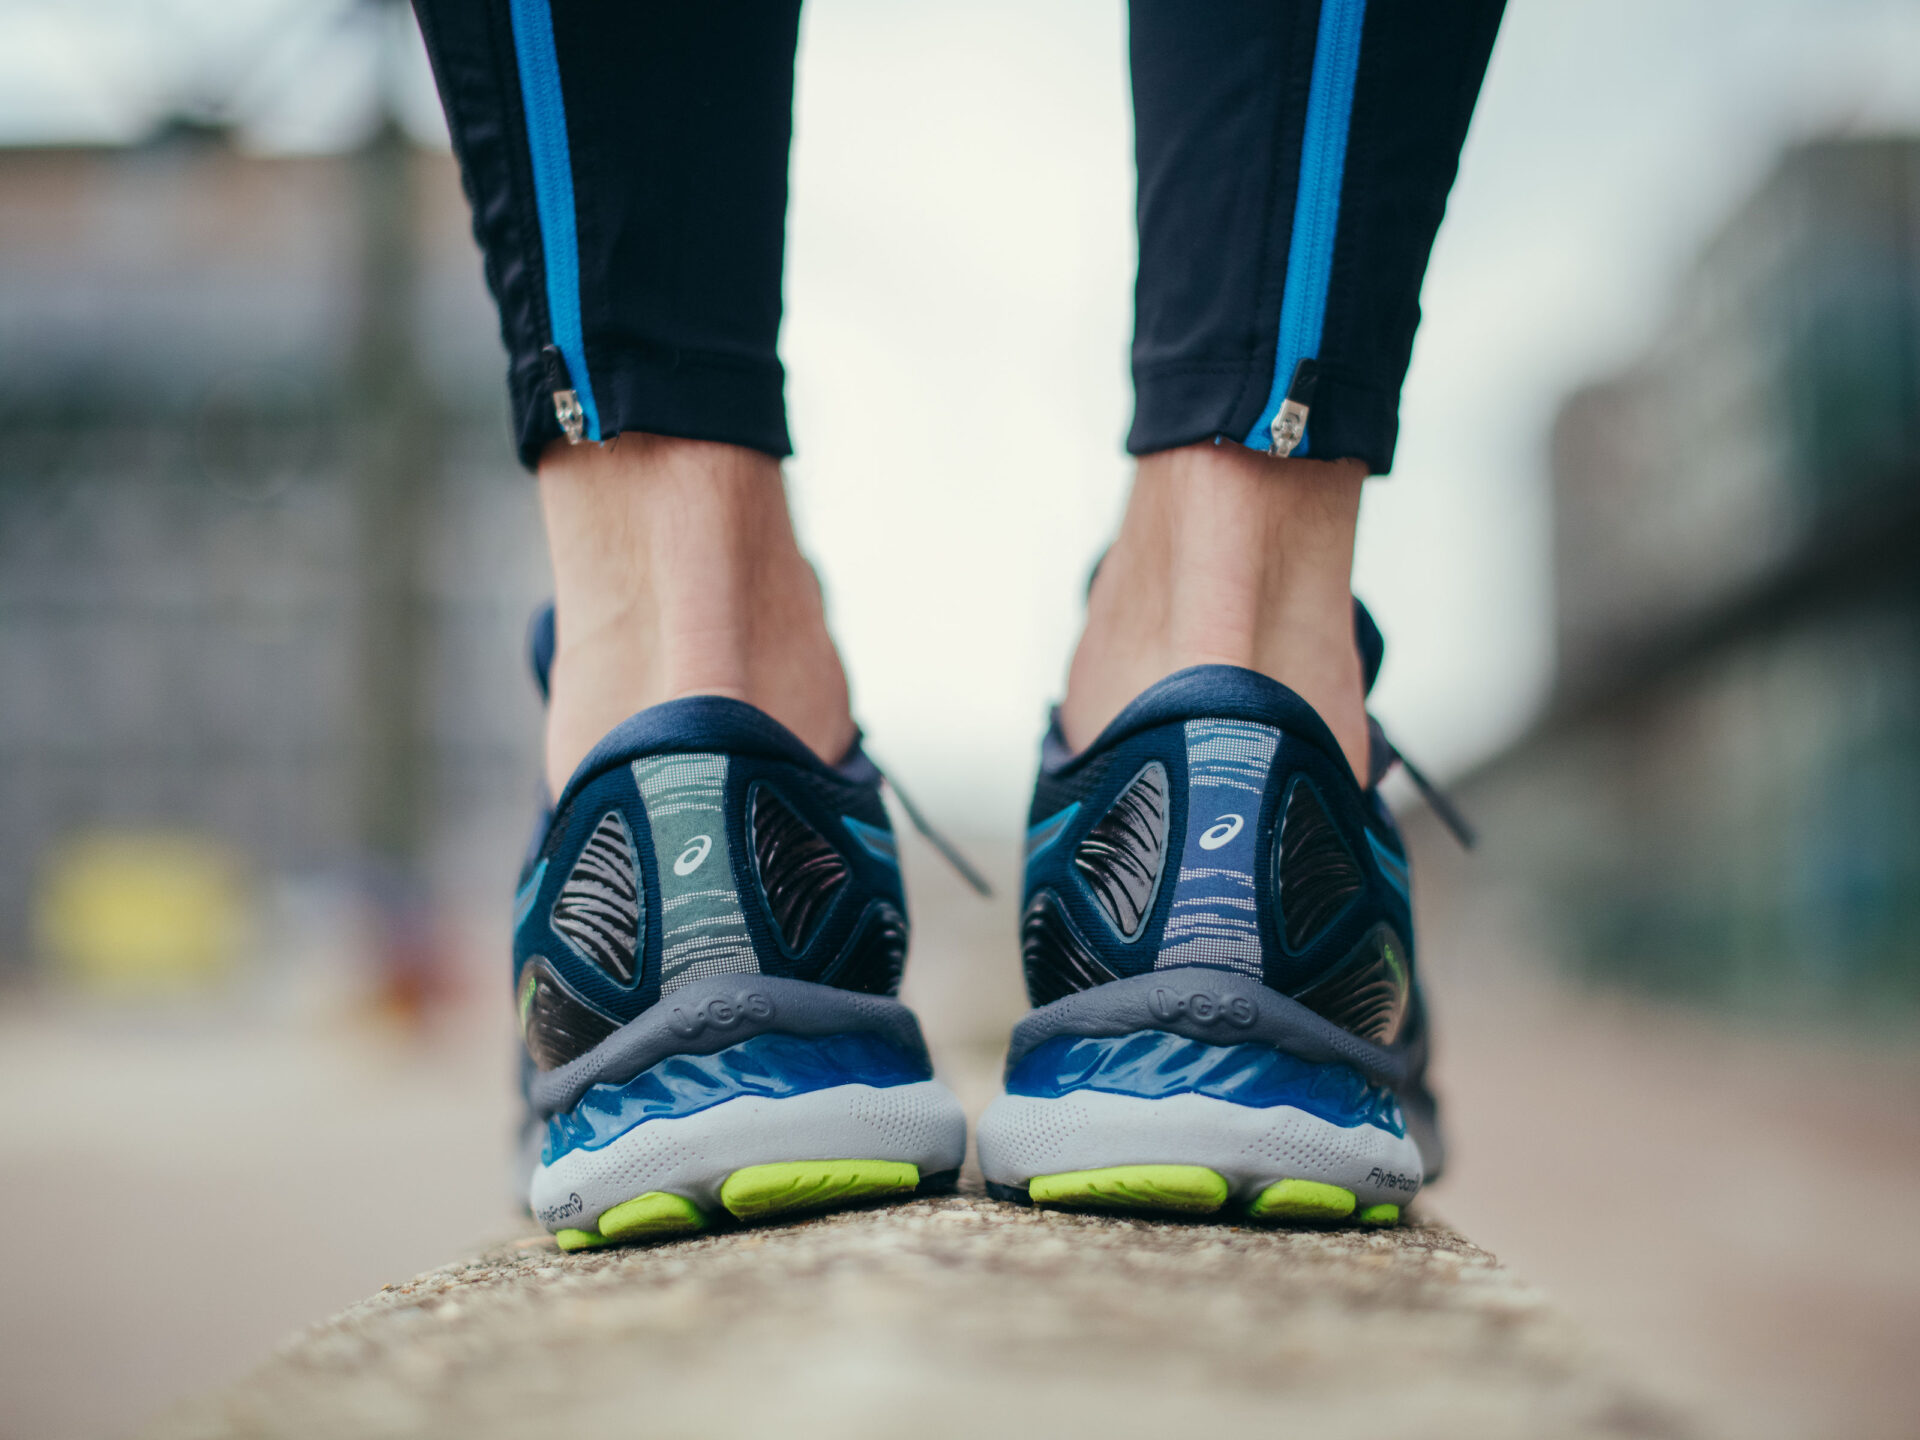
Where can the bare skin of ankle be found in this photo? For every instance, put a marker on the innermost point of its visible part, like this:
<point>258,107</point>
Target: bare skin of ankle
<point>1227,557</point>
<point>676,572</point>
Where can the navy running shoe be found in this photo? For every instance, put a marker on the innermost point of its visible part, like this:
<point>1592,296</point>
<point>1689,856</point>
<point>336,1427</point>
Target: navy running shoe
<point>708,936</point>
<point>1219,948</point>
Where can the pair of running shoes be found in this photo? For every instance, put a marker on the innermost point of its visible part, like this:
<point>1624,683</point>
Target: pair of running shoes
<point>710,930</point>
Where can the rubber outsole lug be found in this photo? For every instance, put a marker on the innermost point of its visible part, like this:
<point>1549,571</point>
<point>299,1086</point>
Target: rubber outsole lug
<point>944,1183</point>
<point>652,1216</point>
<point>1180,1189</point>
<point>1185,1189</point>
<point>761,1191</point>
<point>1303,1201</point>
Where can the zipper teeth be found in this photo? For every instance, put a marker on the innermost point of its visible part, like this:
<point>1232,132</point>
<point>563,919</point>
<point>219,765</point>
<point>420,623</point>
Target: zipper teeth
<point>540,96</point>
<point>1316,206</point>
<point>1316,215</point>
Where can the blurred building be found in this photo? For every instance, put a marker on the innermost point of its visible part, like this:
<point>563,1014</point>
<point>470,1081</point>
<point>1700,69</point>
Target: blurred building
<point>265,556</point>
<point>1725,795</point>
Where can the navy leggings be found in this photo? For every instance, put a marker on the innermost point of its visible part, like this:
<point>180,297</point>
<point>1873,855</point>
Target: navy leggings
<point>626,161</point>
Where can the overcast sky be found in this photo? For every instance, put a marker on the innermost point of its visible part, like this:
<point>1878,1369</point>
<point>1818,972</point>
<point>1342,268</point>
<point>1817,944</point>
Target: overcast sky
<point>959,274</point>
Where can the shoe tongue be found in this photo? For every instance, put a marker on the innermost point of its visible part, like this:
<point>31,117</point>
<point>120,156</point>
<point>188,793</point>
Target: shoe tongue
<point>1372,644</point>
<point>540,642</point>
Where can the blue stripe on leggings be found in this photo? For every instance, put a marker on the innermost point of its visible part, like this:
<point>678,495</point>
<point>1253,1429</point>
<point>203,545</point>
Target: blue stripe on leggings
<point>1316,204</point>
<point>533,49</point>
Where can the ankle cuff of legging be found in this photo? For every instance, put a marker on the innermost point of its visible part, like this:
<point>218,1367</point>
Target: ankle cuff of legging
<point>1350,420</point>
<point>689,394</point>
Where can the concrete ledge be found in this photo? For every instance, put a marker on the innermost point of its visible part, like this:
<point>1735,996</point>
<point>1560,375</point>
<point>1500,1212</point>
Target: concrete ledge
<point>955,1316</point>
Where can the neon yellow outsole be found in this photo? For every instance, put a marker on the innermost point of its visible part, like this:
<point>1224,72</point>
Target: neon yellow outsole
<point>781,1189</point>
<point>755,1193</point>
<point>1304,1200</point>
<point>652,1216</point>
<point>1188,1189</point>
<point>1382,1214</point>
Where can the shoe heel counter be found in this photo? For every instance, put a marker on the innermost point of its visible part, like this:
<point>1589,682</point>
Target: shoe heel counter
<point>819,876</point>
<point>1226,844</point>
<point>680,867</point>
<point>586,923</point>
<point>1102,855</point>
<point>1335,884</point>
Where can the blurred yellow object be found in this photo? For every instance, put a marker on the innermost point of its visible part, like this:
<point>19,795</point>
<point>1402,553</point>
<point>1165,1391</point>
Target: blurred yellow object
<point>141,912</point>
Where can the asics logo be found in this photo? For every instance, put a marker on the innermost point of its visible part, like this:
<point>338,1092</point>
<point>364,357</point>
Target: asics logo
<point>720,1013</point>
<point>1203,1006</point>
<point>1221,831</point>
<point>691,858</point>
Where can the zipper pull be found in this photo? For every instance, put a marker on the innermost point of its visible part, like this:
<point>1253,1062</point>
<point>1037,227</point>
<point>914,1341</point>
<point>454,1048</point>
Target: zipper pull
<point>1290,421</point>
<point>566,403</point>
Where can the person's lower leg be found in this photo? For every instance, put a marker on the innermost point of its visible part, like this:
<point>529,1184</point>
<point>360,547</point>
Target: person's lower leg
<point>676,572</point>
<point>1227,557</point>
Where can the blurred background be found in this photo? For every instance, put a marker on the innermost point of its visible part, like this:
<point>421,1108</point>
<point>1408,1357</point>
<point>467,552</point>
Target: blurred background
<point>1646,568</point>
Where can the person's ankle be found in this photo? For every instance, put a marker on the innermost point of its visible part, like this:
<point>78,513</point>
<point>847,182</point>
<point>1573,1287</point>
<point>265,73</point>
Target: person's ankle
<point>1227,557</point>
<point>676,573</point>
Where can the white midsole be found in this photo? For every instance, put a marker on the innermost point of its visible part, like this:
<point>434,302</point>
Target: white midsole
<point>1022,1136</point>
<point>920,1123</point>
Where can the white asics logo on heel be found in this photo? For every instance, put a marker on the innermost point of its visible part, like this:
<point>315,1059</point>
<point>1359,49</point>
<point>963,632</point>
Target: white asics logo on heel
<point>695,854</point>
<point>1221,831</point>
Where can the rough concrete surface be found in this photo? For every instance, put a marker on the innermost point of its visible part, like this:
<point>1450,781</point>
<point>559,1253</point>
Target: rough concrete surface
<point>951,1316</point>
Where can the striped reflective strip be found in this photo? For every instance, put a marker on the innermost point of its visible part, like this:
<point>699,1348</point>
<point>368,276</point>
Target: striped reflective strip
<point>546,111</point>
<point>1316,203</point>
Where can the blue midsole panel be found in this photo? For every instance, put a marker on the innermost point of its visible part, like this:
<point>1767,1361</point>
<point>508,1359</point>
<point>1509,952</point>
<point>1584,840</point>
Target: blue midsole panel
<point>1152,1065</point>
<point>773,1066</point>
